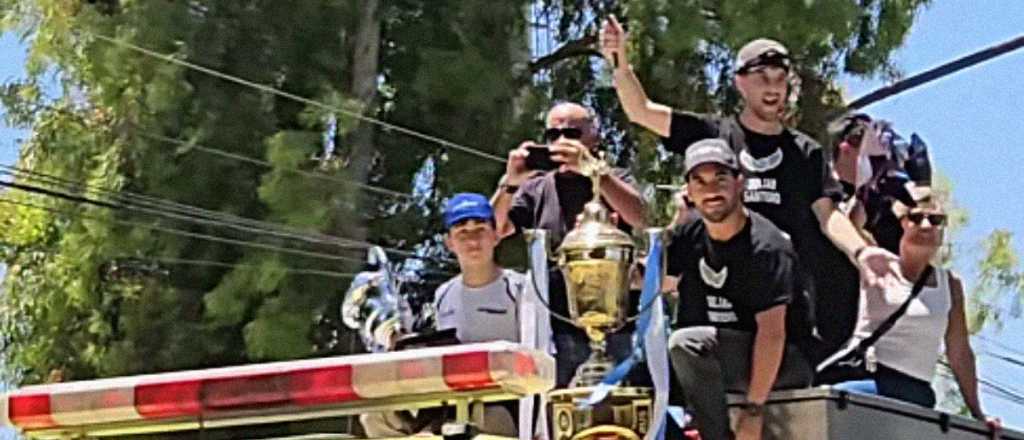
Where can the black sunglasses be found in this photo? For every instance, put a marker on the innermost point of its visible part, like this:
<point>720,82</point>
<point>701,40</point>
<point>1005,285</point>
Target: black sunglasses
<point>933,219</point>
<point>767,59</point>
<point>553,134</point>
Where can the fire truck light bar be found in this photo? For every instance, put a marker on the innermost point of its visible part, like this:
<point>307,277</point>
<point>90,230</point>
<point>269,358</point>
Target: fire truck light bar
<point>351,384</point>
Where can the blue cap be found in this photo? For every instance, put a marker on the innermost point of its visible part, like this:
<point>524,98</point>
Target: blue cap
<point>465,206</point>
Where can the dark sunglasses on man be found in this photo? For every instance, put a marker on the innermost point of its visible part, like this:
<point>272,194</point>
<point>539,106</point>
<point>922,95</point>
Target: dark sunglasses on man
<point>934,219</point>
<point>553,134</point>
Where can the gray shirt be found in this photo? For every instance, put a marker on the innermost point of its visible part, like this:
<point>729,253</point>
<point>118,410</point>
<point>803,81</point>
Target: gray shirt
<point>481,314</point>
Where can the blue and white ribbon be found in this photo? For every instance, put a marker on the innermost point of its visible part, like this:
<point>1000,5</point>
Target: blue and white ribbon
<point>535,331</point>
<point>650,338</point>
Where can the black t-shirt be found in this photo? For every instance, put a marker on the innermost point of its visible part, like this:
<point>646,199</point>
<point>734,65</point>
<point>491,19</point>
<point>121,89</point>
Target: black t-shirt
<point>726,284</point>
<point>785,174</point>
<point>552,201</point>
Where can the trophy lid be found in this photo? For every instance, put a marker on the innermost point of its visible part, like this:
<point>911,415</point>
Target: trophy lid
<point>595,231</point>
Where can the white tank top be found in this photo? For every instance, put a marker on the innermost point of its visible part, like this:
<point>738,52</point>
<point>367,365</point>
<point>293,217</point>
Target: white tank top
<point>912,345</point>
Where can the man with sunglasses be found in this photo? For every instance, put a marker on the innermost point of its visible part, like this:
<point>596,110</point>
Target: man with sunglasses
<point>552,199</point>
<point>788,179</point>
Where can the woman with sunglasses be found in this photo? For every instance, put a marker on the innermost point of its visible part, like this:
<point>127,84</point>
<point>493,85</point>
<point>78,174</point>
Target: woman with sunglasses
<point>905,355</point>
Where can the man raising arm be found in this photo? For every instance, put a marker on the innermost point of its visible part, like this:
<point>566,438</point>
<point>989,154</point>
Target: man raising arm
<point>788,179</point>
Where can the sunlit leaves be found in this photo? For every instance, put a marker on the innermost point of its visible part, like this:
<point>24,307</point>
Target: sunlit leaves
<point>1000,283</point>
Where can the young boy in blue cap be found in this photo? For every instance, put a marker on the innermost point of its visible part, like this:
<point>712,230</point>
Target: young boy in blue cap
<point>481,304</point>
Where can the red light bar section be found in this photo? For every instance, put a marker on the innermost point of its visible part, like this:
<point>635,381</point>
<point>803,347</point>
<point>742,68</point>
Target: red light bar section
<point>188,398</point>
<point>294,386</point>
<point>467,371</point>
<point>262,390</point>
<point>168,399</point>
<point>31,411</point>
<point>323,386</point>
<point>524,365</point>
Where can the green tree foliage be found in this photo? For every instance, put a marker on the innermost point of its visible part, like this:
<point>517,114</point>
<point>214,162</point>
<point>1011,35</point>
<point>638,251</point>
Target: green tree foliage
<point>999,289</point>
<point>460,70</point>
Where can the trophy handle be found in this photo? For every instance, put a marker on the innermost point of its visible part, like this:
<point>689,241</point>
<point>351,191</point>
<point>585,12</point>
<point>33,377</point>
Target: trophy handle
<point>532,236</point>
<point>653,235</point>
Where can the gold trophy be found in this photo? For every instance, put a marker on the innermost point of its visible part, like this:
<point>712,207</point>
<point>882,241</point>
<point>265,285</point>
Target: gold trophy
<point>596,258</point>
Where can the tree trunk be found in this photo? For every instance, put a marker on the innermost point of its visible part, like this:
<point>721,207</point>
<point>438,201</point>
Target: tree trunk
<point>365,70</point>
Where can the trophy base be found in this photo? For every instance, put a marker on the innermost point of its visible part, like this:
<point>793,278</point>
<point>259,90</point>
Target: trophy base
<point>593,371</point>
<point>624,414</point>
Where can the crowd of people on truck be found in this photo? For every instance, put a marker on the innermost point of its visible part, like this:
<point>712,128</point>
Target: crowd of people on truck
<point>790,267</point>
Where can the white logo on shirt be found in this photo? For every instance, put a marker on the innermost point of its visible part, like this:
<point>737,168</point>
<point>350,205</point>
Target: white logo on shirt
<point>720,310</point>
<point>722,317</point>
<point>762,190</point>
<point>767,163</point>
<point>712,277</point>
<point>719,302</point>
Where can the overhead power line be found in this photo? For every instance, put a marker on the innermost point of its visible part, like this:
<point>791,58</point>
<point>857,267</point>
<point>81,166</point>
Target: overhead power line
<point>301,99</point>
<point>1008,359</point>
<point>263,163</point>
<point>156,206</point>
<point>936,73</point>
<point>1000,344</point>
<point>993,387</point>
<point>212,263</point>
<point>204,263</point>
<point>119,204</point>
<point>183,233</point>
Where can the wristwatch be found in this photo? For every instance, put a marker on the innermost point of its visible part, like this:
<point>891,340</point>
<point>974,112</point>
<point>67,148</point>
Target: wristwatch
<point>505,187</point>
<point>856,253</point>
<point>753,409</point>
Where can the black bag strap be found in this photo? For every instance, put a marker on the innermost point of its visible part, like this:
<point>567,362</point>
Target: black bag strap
<point>895,316</point>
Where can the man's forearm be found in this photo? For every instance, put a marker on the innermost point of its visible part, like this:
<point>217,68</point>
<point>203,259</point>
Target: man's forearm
<point>638,107</point>
<point>765,361</point>
<point>838,228</point>
<point>624,199</point>
<point>501,202</point>
<point>631,92</point>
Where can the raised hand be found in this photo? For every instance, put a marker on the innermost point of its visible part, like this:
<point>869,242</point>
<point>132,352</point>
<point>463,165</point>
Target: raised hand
<point>568,153</point>
<point>515,169</point>
<point>613,42</point>
<point>878,266</point>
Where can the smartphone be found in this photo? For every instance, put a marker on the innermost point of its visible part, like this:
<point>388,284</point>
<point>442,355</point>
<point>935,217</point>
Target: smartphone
<point>539,159</point>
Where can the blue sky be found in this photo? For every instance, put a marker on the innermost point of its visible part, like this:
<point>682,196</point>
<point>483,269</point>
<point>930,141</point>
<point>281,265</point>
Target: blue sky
<point>969,121</point>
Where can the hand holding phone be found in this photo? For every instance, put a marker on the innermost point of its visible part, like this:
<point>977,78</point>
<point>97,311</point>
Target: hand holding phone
<point>539,158</point>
